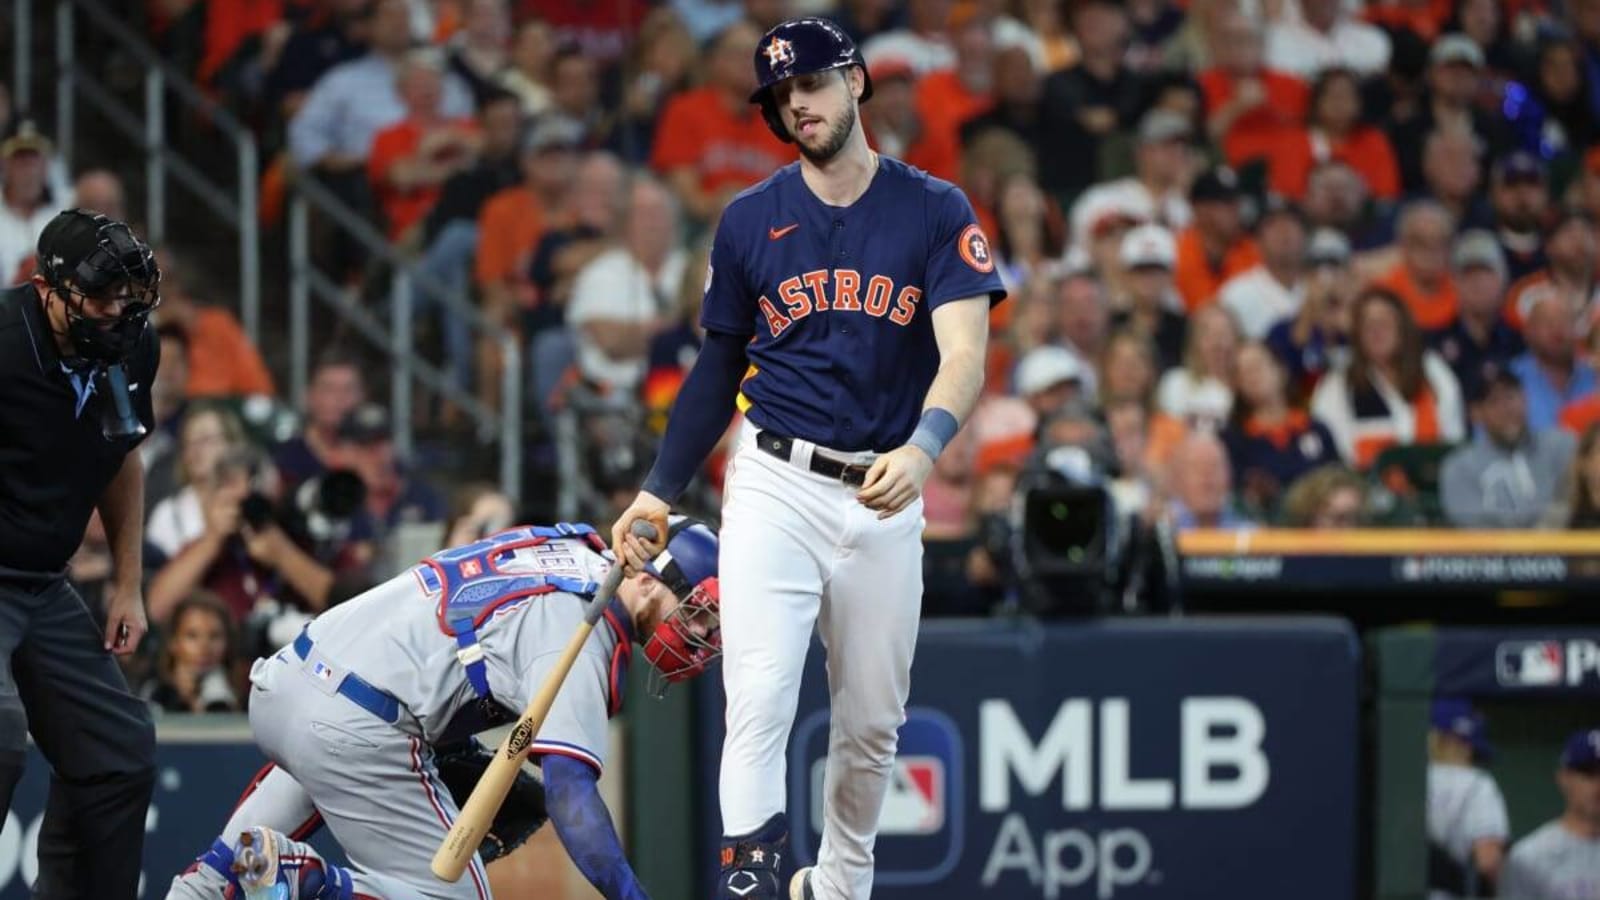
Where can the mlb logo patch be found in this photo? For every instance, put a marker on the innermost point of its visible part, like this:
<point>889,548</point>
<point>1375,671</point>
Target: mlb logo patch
<point>322,671</point>
<point>1530,663</point>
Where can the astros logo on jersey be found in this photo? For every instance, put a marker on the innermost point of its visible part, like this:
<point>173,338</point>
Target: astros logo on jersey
<point>974,249</point>
<point>851,291</point>
<point>779,52</point>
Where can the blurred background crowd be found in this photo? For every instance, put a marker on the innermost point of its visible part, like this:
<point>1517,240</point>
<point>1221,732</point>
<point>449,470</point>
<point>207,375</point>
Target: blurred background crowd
<point>1305,263</point>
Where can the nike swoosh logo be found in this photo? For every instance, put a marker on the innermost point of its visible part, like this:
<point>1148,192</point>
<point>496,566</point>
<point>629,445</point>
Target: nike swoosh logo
<point>775,233</point>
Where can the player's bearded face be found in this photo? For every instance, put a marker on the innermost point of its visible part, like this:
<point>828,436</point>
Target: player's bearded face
<point>821,115</point>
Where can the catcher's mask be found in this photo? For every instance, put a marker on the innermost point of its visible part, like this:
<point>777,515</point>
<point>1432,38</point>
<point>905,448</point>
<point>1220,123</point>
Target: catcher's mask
<point>86,256</point>
<point>690,637</point>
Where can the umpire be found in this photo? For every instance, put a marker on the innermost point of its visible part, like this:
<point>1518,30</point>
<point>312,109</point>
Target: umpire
<point>76,367</point>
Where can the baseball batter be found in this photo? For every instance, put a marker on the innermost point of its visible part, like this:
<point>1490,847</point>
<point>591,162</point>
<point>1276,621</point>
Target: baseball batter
<point>846,314</point>
<point>350,711</point>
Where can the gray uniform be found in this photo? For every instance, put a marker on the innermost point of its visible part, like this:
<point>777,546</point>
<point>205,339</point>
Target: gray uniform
<point>374,782</point>
<point>1552,863</point>
<point>1464,806</point>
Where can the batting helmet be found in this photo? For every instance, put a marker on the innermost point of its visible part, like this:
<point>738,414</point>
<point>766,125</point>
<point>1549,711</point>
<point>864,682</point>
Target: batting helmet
<point>800,47</point>
<point>690,638</point>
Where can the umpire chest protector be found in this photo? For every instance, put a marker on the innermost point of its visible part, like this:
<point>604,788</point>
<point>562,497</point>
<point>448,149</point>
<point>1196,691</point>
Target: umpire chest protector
<point>472,589</point>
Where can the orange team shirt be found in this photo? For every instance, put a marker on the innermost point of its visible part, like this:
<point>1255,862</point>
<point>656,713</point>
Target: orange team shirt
<point>509,228</point>
<point>943,104</point>
<point>1366,150</point>
<point>229,23</point>
<point>1432,310</point>
<point>1197,280</point>
<point>726,148</point>
<point>222,361</point>
<point>1426,19</point>
<point>1260,132</point>
<point>402,209</point>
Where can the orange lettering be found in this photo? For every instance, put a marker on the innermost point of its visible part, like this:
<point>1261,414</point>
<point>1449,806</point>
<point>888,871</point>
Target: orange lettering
<point>905,305</point>
<point>846,283</point>
<point>776,322</point>
<point>817,280</point>
<point>878,291</point>
<point>793,297</point>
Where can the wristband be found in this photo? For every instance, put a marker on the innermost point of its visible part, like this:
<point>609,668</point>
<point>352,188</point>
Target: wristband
<point>936,429</point>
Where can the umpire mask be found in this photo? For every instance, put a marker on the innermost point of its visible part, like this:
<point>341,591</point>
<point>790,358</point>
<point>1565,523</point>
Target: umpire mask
<point>92,262</point>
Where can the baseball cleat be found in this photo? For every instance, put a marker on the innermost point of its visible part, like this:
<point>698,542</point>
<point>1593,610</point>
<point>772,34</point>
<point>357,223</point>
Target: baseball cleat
<point>800,885</point>
<point>255,867</point>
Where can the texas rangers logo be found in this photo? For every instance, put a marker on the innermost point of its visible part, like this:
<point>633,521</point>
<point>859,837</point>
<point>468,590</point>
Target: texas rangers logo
<point>779,52</point>
<point>974,249</point>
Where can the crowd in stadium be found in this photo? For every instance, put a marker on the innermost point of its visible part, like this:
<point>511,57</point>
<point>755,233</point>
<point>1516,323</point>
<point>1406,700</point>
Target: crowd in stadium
<point>1320,263</point>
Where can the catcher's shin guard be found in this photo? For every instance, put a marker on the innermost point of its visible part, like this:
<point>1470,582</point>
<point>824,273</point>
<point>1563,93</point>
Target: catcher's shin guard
<point>750,862</point>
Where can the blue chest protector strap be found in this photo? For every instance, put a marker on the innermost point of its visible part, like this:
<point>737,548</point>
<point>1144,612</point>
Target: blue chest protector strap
<point>471,588</point>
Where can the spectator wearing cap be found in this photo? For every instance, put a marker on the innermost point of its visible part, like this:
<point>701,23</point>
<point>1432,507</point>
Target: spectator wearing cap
<point>1148,255</point>
<point>1216,246</point>
<point>222,362</point>
<point>1252,111</point>
<point>1550,115</point>
<point>1570,270</point>
<point>1552,374</point>
<point>1049,377</point>
<point>947,98</point>
<point>1455,66</point>
<point>712,141</point>
<point>1508,476</point>
<point>1270,442</point>
<point>394,494</point>
<point>1479,334</point>
<point>25,203</point>
<point>1095,99</point>
<point>333,130</point>
<point>1316,338</point>
<point>1466,815</point>
<point>1202,485</point>
<point>511,225</point>
<point>1199,393</point>
<point>1421,276</point>
<point>896,127</point>
<point>1155,192</point>
<point>1520,200</point>
<point>1326,37</point>
<point>1561,857</point>
<point>1392,391</point>
<point>412,159</point>
<point>1336,130</point>
<point>1273,290</point>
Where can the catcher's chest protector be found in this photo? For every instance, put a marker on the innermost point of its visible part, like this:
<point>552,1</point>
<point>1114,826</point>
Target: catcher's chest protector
<point>471,589</point>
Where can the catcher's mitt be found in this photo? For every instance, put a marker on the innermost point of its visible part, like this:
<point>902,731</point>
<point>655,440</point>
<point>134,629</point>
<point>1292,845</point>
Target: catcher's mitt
<point>461,765</point>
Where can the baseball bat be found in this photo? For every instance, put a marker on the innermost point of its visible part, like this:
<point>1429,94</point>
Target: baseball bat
<point>478,814</point>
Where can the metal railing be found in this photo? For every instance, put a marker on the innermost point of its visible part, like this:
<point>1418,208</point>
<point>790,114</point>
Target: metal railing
<point>148,128</point>
<point>395,339</point>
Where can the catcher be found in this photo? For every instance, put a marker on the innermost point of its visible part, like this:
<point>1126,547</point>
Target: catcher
<point>351,712</point>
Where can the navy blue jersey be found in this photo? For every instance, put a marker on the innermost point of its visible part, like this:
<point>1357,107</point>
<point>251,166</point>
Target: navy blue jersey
<point>838,300</point>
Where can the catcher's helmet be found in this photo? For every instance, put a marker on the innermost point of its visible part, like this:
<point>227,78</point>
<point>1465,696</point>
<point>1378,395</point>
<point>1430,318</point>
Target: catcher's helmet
<point>800,47</point>
<point>690,638</point>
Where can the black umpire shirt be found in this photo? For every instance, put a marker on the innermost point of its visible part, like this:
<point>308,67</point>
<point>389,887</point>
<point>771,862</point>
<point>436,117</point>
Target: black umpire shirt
<point>55,460</point>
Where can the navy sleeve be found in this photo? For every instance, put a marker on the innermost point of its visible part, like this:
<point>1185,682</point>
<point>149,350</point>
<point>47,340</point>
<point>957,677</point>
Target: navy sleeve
<point>699,415</point>
<point>584,825</point>
<point>727,305</point>
<point>961,262</point>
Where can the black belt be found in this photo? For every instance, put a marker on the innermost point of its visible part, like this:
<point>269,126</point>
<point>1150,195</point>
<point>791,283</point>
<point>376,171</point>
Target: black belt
<point>781,447</point>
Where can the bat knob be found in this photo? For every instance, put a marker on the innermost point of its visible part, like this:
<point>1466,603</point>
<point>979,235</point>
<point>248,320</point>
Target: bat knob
<point>644,530</point>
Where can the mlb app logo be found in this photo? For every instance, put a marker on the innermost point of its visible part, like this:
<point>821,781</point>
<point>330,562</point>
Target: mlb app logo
<point>914,805</point>
<point>922,827</point>
<point>1530,663</point>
